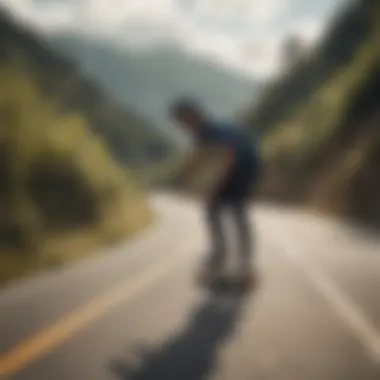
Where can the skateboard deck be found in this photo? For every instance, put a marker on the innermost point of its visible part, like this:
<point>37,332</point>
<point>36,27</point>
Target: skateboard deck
<point>228,284</point>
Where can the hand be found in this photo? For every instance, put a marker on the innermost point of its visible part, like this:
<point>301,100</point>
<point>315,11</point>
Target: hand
<point>210,195</point>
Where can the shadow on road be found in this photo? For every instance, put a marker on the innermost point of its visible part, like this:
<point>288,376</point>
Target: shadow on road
<point>192,354</point>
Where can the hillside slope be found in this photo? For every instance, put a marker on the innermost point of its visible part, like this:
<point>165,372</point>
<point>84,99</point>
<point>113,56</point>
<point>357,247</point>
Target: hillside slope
<point>131,138</point>
<point>62,193</point>
<point>321,121</point>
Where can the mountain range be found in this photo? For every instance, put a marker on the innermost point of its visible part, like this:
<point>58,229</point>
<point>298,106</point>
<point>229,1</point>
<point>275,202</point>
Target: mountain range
<point>148,80</point>
<point>129,135</point>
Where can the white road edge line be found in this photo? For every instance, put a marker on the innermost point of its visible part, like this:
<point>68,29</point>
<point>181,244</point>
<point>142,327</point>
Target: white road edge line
<point>367,333</point>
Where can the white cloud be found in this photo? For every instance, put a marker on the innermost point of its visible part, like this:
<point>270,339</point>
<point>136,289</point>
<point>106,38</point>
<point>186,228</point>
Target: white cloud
<point>309,29</point>
<point>244,34</point>
<point>267,11</point>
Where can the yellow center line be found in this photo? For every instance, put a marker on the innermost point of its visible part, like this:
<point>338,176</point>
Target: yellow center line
<point>56,334</point>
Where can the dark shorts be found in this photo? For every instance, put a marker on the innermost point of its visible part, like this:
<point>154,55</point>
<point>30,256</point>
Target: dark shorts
<point>240,187</point>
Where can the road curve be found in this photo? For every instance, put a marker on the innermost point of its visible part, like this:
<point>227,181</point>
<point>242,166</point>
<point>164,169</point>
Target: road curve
<point>135,313</point>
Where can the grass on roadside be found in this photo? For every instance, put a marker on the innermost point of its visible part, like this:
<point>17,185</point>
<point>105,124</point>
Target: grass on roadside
<point>62,194</point>
<point>126,219</point>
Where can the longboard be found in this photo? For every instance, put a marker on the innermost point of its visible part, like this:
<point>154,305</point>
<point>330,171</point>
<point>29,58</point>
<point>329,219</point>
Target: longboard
<point>228,284</point>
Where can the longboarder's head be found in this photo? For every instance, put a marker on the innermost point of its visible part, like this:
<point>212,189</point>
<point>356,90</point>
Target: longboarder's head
<point>188,114</point>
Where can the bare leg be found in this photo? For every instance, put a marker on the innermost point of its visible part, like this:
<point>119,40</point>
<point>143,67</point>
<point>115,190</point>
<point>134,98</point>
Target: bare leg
<point>217,238</point>
<point>240,212</point>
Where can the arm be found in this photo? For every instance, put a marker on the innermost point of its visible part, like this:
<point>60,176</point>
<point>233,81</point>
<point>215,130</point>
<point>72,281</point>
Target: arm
<point>228,157</point>
<point>193,162</point>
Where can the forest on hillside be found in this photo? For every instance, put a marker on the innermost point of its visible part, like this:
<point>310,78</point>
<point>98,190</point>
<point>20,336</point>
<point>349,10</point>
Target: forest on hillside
<point>320,122</point>
<point>69,159</point>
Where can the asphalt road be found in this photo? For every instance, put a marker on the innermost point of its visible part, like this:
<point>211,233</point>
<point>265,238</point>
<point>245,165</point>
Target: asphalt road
<point>134,312</point>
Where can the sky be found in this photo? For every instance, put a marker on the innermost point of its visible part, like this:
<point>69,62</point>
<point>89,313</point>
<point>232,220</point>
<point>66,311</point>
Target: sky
<point>245,35</point>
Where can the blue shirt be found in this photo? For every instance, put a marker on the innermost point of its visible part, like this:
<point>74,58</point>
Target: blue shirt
<point>247,153</point>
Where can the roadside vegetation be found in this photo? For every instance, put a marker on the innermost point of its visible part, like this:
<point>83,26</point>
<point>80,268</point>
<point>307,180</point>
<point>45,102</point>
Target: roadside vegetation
<point>322,141</point>
<point>62,194</point>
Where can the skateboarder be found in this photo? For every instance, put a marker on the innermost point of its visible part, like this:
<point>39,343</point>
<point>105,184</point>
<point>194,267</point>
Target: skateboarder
<point>234,189</point>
